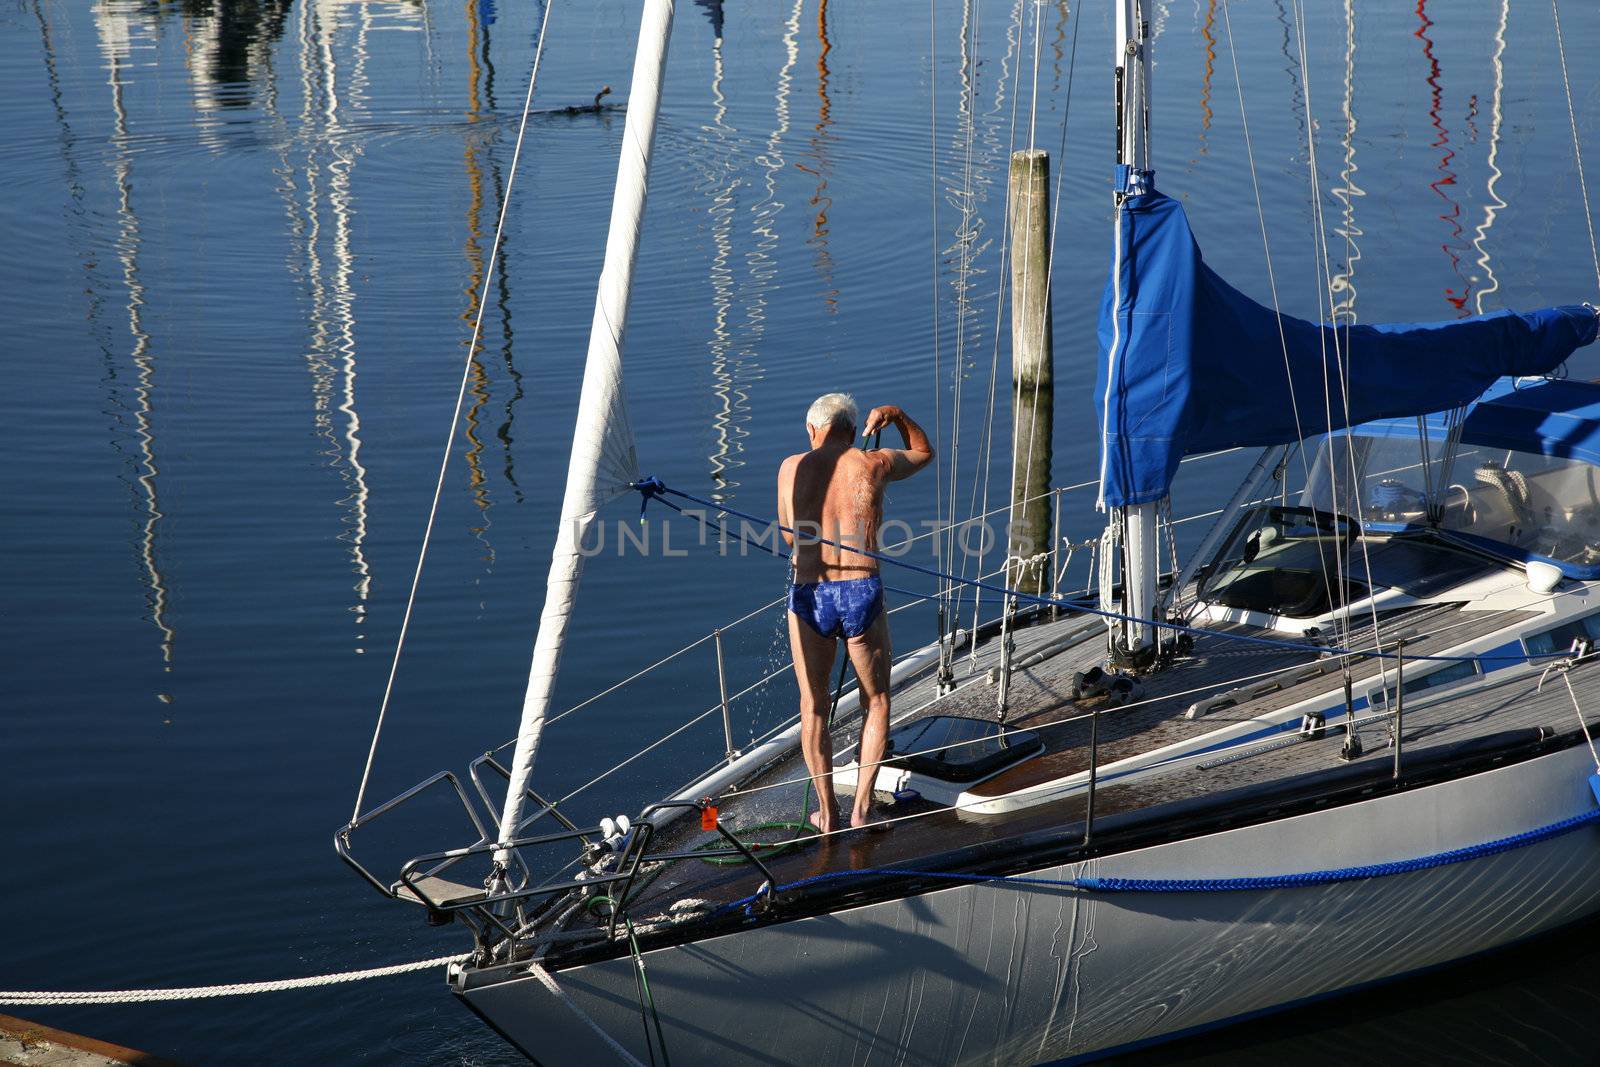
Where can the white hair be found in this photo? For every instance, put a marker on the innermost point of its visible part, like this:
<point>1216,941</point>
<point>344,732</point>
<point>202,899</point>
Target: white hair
<point>830,409</point>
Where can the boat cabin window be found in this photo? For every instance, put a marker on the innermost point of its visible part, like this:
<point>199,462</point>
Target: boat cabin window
<point>1449,673</point>
<point>1561,638</point>
<point>1283,561</point>
<point>1536,505</point>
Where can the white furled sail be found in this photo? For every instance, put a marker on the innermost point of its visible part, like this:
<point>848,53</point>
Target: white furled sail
<point>603,463</point>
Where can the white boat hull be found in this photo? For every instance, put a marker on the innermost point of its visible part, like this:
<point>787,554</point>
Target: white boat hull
<point>999,973</point>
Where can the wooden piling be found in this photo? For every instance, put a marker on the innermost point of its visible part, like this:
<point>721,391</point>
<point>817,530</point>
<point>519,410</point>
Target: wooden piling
<point>1032,370</point>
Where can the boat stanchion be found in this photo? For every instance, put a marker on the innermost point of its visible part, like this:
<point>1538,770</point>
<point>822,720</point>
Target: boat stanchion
<point>1094,767</point>
<point>1352,740</point>
<point>1055,554</point>
<point>1399,699</point>
<point>722,690</point>
<point>945,680</point>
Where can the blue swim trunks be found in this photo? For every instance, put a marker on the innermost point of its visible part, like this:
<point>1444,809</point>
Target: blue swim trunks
<point>845,608</point>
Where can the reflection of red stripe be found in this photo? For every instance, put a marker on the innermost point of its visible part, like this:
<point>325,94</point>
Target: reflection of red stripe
<point>1446,175</point>
<point>1205,82</point>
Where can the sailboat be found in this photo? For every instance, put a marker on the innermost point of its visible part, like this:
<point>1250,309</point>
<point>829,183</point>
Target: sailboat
<point>1350,738</point>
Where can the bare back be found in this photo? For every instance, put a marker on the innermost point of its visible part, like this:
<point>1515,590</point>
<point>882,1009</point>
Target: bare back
<point>835,493</point>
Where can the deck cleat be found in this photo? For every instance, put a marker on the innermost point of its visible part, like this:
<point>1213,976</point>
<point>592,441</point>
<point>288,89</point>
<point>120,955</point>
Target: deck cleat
<point>1351,749</point>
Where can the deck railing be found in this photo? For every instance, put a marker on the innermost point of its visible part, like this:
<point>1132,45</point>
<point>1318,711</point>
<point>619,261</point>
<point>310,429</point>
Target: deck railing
<point>729,701</point>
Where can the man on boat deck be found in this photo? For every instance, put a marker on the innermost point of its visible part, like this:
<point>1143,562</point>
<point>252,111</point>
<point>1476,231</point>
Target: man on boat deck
<point>835,491</point>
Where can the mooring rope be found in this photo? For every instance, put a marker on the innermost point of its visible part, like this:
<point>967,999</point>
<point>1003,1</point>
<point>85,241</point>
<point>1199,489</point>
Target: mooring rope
<point>547,980</point>
<point>15,997</point>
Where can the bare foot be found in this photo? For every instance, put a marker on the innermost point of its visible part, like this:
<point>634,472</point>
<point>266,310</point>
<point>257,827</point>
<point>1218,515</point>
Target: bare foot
<point>860,819</point>
<point>825,821</point>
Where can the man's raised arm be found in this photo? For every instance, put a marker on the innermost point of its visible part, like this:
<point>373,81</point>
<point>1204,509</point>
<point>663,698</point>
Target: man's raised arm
<point>918,452</point>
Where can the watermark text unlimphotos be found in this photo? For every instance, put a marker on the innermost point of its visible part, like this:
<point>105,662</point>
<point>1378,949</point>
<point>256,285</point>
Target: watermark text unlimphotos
<point>729,536</point>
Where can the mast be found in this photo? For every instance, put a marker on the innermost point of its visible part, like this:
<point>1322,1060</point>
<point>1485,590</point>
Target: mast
<point>1135,525</point>
<point>602,462</point>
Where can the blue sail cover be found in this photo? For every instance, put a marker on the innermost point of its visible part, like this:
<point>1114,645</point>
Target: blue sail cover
<point>1189,364</point>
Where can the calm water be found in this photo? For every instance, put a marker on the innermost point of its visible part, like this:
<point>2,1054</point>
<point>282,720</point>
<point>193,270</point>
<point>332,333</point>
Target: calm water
<point>244,243</point>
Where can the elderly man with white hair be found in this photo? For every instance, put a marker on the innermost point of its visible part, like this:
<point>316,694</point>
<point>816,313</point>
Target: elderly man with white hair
<point>835,492</point>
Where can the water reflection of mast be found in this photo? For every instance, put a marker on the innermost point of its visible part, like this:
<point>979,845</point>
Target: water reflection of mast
<point>1492,208</point>
<point>334,298</point>
<point>480,61</point>
<point>726,424</point>
<point>964,198</point>
<point>478,378</point>
<point>1207,31</point>
<point>308,230</point>
<point>69,161</point>
<point>1452,218</point>
<point>502,283</point>
<point>1058,46</point>
<point>1342,288</point>
<point>761,259</point>
<point>116,43</point>
<point>821,166</point>
<point>340,202</point>
<point>1291,67</point>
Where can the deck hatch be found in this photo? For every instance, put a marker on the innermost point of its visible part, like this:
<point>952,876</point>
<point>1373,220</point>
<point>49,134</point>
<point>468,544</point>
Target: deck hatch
<point>954,748</point>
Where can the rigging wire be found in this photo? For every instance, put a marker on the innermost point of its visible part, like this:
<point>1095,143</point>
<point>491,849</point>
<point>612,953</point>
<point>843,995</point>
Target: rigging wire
<point>966,237</point>
<point>1272,280</point>
<point>1007,605</point>
<point>1027,267</point>
<point>1050,263</point>
<point>455,420</point>
<point>1577,150</point>
<point>1315,201</point>
<point>1266,248</point>
<point>933,203</point>
<point>1013,40</point>
<point>1325,284</point>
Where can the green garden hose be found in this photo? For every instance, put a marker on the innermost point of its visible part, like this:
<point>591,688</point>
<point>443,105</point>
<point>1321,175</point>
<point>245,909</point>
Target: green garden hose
<point>803,828</point>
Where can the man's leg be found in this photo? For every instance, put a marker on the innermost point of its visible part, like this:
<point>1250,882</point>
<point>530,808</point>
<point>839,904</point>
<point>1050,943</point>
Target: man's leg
<point>813,659</point>
<point>870,654</point>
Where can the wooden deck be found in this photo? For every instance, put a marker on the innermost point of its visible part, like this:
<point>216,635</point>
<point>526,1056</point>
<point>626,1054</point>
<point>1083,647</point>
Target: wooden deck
<point>1498,705</point>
